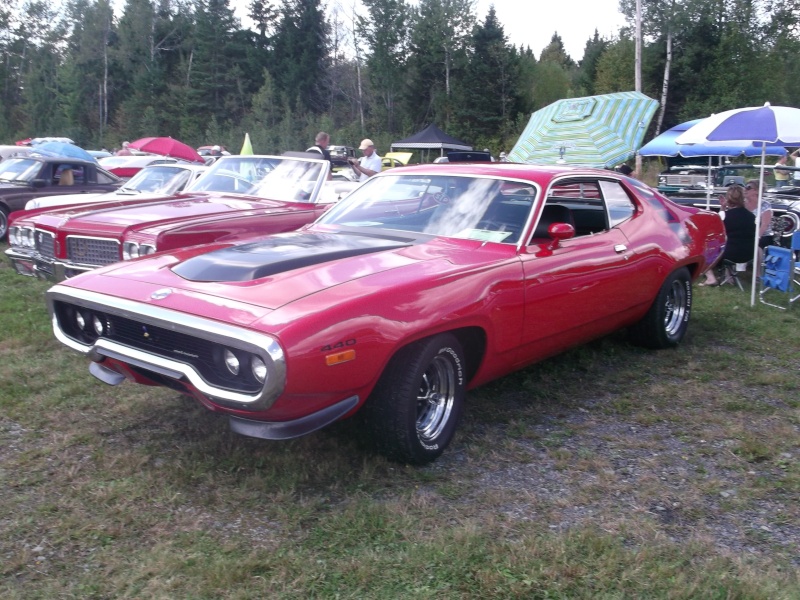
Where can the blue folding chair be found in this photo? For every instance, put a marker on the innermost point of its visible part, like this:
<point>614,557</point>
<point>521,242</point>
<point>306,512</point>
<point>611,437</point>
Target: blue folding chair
<point>778,274</point>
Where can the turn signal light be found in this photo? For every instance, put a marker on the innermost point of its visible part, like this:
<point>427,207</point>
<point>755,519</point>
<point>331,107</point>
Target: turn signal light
<point>340,357</point>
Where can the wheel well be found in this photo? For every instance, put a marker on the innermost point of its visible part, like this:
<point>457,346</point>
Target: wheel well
<point>693,270</point>
<point>473,342</point>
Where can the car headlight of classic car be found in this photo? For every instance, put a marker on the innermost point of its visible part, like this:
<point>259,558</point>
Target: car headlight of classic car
<point>21,237</point>
<point>134,250</point>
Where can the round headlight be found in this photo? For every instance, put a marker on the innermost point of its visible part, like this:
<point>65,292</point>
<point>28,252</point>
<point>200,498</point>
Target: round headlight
<point>146,249</point>
<point>259,369</point>
<point>98,325</point>
<point>80,321</point>
<point>27,237</point>
<point>231,362</point>
<point>130,250</point>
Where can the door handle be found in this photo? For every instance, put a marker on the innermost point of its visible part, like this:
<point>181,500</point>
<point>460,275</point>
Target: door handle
<point>620,248</point>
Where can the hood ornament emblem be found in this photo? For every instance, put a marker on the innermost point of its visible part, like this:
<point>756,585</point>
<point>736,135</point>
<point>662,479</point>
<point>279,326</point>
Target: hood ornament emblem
<point>160,294</point>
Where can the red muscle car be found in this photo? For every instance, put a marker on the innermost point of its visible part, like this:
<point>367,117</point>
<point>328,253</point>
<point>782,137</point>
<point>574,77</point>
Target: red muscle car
<point>238,197</point>
<point>423,283</point>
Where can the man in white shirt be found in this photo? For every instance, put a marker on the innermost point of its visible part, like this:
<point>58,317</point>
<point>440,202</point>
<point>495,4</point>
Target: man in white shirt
<point>369,164</point>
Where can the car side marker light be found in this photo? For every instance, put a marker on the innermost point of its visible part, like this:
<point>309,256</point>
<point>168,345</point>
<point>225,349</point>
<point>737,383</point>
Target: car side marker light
<point>340,357</point>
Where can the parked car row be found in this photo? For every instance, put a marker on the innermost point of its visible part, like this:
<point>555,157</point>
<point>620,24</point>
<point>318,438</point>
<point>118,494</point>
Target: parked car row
<point>238,197</point>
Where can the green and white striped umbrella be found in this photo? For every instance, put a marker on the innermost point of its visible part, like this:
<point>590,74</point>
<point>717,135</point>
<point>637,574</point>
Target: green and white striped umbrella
<point>595,131</point>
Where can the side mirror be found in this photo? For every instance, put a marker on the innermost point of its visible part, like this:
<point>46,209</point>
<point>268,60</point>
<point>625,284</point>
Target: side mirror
<point>561,231</point>
<point>39,183</point>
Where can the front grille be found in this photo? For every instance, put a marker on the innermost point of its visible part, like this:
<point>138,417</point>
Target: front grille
<point>202,354</point>
<point>92,251</point>
<point>45,243</point>
<point>44,266</point>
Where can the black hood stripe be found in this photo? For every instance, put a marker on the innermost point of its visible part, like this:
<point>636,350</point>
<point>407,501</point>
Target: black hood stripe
<point>282,253</point>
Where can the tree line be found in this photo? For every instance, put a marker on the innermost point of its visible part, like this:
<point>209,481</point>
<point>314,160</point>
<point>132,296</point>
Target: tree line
<point>100,74</point>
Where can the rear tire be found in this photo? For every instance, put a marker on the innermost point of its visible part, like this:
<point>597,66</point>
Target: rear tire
<point>666,322</point>
<point>414,410</point>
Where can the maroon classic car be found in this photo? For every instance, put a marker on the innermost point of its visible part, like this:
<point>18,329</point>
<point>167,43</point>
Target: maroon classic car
<point>425,282</point>
<point>240,196</point>
<point>23,178</point>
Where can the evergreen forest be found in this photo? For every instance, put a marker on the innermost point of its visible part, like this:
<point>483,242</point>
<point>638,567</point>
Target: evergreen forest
<point>101,72</point>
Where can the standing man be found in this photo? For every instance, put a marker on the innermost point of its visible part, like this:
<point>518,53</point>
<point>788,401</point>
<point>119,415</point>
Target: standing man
<point>124,151</point>
<point>369,164</point>
<point>796,156</point>
<point>781,175</point>
<point>320,146</point>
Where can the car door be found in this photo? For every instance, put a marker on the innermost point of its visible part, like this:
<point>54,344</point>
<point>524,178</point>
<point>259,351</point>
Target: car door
<point>582,287</point>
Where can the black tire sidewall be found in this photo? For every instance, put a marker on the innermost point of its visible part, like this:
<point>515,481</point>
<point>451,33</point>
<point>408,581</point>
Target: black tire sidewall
<point>391,410</point>
<point>651,331</point>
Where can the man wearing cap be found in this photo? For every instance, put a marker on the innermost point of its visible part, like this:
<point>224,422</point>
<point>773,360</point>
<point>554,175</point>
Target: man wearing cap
<point>369,164</point>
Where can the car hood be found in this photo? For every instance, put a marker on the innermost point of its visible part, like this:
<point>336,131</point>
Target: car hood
<point>125,214</point>
<point>279,269</point>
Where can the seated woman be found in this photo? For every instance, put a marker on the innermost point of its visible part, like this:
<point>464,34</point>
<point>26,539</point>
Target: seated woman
<point>740,230</point>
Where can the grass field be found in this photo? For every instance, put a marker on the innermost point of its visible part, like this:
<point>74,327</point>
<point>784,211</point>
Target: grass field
<point>607,472</point>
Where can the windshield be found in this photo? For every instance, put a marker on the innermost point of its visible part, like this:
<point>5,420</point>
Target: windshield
<point>273,177</point>
<point>19,169</point>
<point>160,180</point>
<point>478,208</point>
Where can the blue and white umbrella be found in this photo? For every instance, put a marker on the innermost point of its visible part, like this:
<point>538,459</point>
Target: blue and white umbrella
<point>759,125</point>
<point>666,144</point>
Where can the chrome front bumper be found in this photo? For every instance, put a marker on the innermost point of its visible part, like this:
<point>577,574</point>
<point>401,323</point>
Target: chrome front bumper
<point>33,265</point>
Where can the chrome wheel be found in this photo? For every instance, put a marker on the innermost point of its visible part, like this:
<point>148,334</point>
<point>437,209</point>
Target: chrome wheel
<point>414,410</point>
<point>435,398</point>
<point>675,308</point>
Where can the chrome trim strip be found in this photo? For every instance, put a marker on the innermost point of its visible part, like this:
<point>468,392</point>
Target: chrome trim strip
<point>262,345</point>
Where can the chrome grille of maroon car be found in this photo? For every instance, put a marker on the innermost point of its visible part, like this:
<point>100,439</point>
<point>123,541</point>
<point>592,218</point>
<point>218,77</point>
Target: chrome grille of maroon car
<point>92,251</point>
<point>45,243</point>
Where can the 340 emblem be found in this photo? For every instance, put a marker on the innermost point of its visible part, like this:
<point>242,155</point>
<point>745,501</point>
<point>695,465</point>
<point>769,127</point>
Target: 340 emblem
<point>338,345</point>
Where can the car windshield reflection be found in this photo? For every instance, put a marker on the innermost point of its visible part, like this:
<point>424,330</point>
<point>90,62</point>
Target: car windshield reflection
<point>157,180</point>
<point>478,208</point>
<point>275,178</point>
<point>19,169</point>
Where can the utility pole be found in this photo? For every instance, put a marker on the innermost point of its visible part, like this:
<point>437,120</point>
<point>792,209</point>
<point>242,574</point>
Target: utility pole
<point>638,69</point>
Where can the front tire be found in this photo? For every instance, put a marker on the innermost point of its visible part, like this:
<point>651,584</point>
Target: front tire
<point>666,321</point>
<point>414,410</point>
<point>3,222</point>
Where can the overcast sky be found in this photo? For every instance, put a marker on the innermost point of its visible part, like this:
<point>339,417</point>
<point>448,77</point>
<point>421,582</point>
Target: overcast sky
<point>531,22</point>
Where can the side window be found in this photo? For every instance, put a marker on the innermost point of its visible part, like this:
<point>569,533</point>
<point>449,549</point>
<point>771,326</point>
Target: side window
<point>105,178</point>
<point>578,202</point>
<point>67,174</point>
<point>618,203</point>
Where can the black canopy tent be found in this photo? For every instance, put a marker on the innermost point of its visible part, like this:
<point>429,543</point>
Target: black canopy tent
<point>431,138</point>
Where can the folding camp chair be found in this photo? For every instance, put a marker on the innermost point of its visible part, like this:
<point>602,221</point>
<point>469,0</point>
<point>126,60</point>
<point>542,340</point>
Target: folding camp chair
<point>778,274</point>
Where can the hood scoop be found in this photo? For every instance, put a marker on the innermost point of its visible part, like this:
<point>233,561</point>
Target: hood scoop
<point>282,253</point>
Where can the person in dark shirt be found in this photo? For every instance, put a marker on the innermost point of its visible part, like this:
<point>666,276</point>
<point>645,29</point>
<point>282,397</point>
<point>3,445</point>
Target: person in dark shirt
<point>740,231</point>
<point>320,146</point>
